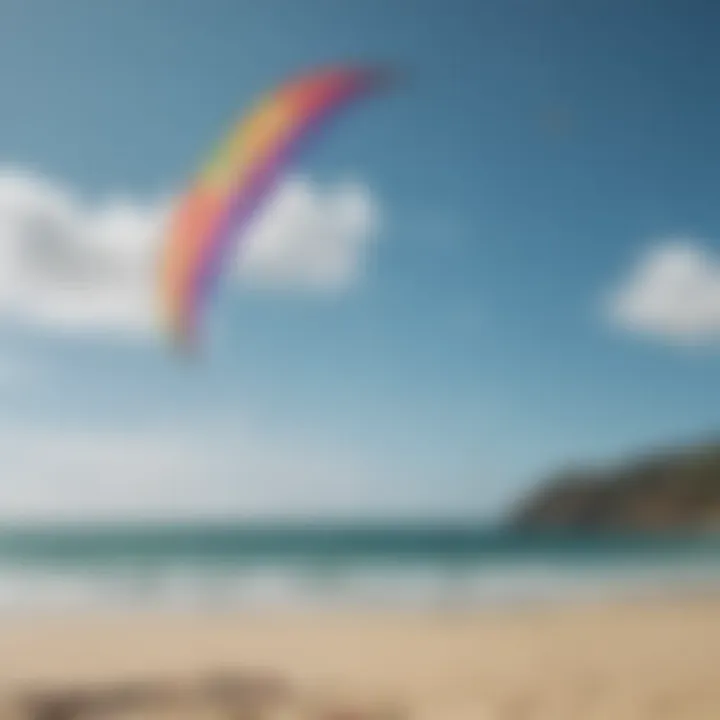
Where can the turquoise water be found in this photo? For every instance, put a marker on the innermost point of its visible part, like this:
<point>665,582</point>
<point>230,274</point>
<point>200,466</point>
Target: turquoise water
<point>263,563</point>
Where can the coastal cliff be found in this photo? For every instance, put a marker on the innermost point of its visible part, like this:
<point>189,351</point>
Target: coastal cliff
<point>673,490</point>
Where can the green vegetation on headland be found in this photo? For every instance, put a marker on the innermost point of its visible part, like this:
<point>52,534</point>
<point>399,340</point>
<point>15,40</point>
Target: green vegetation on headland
<point>673,490</point>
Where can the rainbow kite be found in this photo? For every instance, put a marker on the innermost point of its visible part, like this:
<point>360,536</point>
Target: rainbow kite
<point>233,185</point>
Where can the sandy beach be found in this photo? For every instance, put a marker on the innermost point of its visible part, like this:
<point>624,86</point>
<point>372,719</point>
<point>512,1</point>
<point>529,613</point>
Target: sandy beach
<point>624,661</point>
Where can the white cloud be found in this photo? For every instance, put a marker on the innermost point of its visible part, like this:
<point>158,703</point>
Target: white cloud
<point>70,264</point>
<point>673,293</point>
<point>311,238</point>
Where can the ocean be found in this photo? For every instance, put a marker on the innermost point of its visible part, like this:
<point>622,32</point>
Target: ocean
<point>279,564</point>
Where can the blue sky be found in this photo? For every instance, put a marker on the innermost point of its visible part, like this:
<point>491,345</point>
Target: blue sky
<point>537,156</point>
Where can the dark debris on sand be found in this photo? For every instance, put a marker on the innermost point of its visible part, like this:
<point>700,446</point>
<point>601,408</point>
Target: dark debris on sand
<point>236,696</point>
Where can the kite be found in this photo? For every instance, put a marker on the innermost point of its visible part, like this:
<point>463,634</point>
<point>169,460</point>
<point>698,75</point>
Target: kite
<point>210,220</point>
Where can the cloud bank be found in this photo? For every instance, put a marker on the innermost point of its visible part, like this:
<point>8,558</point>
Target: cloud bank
<point>673,293</point>
<point>152,472</point>
<point>104,471</point>
<point>72,265</point>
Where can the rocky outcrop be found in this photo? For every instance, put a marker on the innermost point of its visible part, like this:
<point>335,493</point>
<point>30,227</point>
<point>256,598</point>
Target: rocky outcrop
<point>673,490</point>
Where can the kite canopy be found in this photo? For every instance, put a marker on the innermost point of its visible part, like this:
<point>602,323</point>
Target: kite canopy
<point>212,216</point>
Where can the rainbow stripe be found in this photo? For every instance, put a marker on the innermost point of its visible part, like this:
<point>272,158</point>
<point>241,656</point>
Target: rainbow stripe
<point>236,181</point>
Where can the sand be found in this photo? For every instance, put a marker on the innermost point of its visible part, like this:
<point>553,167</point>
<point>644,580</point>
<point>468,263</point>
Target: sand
<point>626,661</point>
